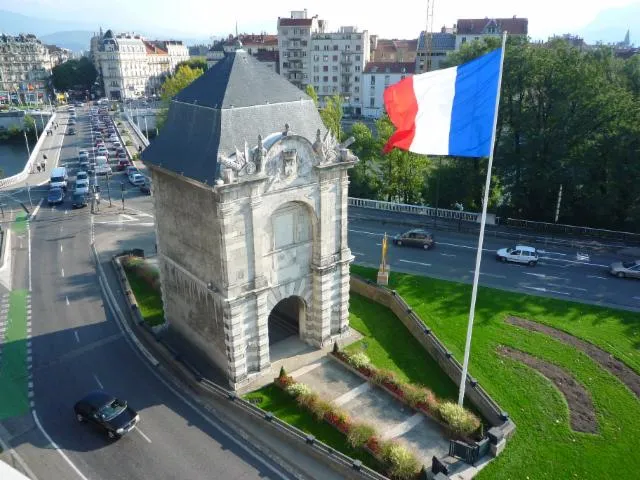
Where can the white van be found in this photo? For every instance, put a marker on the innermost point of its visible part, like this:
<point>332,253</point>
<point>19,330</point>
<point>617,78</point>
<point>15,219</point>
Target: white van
<point>58,178</point>
<point>102,165</point>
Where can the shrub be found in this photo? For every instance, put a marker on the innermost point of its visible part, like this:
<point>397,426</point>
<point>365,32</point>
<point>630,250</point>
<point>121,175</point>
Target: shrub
<point>359,434</point>
<point>419,397</point>
<point>285,381</point>
<point>320,409</point>
<point>128,143</point>
<point>297,389</point>
<point>336,349</point>
<point>307,400</point>
<point>458,418</point>
<point>283,372</point>
<point>401,462</point>
<point>381,376</point>
<point>359,360</point>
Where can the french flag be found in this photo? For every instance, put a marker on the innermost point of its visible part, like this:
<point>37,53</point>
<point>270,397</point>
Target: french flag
<point>446,112</point>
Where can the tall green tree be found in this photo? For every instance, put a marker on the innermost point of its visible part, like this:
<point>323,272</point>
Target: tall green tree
<point>75,73</point>
<point>366,177</point>
<point>194,63</point>
<point>183,77</point>
<point>312,93</point>
<point>331,115</point>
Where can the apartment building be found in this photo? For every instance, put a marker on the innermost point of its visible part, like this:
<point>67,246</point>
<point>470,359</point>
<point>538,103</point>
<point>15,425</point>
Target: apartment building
<point>25,69</point>
<point>262,47</point>
<point>433,48</point>
<point>376,78</point>
<point>468,30</point>
<point>333,62</point>
<point>385,50</point>
<point>131,66</point>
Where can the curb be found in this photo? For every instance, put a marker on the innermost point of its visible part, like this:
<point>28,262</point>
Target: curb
<point>3,244</point>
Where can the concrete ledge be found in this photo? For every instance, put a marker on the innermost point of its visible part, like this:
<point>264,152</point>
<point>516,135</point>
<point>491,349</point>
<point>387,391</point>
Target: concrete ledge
<point>3,245</point>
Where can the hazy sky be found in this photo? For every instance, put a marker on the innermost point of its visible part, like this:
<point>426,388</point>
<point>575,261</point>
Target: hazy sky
<point>401,19</point>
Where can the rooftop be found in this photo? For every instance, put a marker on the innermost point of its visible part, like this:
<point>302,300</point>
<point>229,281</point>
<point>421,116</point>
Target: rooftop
<point>477,26</point>
<point>390,67</point>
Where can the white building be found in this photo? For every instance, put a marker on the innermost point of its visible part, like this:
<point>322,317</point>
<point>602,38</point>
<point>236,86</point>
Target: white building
<point>469,30</point>
<point>25,69</point>
<point>262,47</point>
<point>131,66</point>
<point>332,62</point>
<point>376,78</point>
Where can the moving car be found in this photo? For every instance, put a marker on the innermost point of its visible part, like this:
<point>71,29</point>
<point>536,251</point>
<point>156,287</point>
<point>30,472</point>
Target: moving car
<point>71,131</point>
<point>130,170</point>
<point>146,187</point>
<point>518,254</point>
<point>106,412</point>
<point>78,200</point>
<point>123,163</point>
<point>625,269</point>
<point>55,196</point>
<point>136,179</point>
<point>415,238</point>
<point>58,178</point>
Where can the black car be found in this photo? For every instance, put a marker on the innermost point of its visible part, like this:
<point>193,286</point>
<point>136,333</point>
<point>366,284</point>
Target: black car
<point>107,412</point>
<point>56,196</point>
<point>415,238</point>
<point>79,200</point>
<point>146,187</point>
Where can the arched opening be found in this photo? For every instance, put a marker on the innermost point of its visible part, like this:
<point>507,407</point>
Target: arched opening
<point>285,319</point>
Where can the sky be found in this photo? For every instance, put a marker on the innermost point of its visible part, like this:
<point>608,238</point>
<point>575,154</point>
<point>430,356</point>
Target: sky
<point>402,19</point>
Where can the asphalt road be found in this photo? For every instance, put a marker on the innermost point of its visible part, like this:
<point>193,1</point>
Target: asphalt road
<point>77,347</point>
<point>559,273</point>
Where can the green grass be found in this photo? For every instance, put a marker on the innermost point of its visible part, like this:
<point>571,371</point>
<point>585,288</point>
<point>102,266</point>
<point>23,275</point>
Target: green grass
<point>14,375</point>
<point>273,399</point>
<point>149,300</point>
<point>544,445</point>
<point>20,223</point>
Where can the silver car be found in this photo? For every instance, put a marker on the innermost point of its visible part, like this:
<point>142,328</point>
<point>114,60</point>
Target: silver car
<point>625,269</point>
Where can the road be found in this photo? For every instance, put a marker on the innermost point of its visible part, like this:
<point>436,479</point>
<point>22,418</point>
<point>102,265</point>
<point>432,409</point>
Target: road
<point>74,345</point>
<point>559,273</point>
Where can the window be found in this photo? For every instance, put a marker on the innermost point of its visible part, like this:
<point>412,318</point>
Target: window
<point>316,78</point>
<point>335,47</point>
<point>357,68</point>
<point>316,47</point>
<point>357,90</point>
<point>325,78</point>
<point>325,58</point>
<point>402,77</point>
<point>373,80</point>
<point>357,100</point>
<point>464,40</point>
<point>325,89</point>
<point>325,68</point>
<point>334,68</point>
<point>356,78</point>
<point>334,79</point>
<point>358,48</point>
<point>335,58</point>
<point>372,102</point>
<point>316,68</point>
<point>357,58</point>
<point>316,58</point>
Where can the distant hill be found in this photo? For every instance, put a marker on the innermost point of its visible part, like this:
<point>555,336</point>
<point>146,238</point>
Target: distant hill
<point>611,25</point>
<point>14,23</point>
<point>75,40</point>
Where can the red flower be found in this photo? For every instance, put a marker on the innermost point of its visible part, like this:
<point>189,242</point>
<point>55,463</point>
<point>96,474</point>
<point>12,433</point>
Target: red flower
<point>373,444</point>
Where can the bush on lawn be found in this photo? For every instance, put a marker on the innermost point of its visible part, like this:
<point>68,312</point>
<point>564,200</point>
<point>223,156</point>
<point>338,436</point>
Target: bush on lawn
<point>307,400</point>
<point>320,408</point>
<point>144,271</point>
<point>297,389</point>
<point>459,419</point>
<point>359,360</point>
<point>359,434</point>
<point>400,461</point>
<point>421,398</point>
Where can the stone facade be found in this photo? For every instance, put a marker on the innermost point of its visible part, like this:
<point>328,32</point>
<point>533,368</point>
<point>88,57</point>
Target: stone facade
<point>273,227</point>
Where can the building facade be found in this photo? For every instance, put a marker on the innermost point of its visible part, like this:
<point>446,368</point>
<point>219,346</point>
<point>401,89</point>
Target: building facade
<point>250,195</point>
<point>385,50</point>
<point>25,69</point>
<point>131,66</point>
<point>263,48</point>
<point>376,78</point>
<point>433,49</point>
<point>469,30</point>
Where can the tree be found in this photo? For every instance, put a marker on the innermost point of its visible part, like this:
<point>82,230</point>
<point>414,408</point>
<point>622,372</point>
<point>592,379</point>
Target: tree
<point>312,93</point>
<point>366,177</point>
<point>331,115</point>
<point>195,63</point>
<point>172,85</point>
<point>74,73</point>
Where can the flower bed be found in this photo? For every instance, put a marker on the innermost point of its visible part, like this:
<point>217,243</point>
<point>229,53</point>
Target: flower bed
<point>460,422</point>
<point>398,461</point>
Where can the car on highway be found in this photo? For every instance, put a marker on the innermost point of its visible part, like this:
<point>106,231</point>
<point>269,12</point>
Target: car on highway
<point>72,121</point>
<point>123,163</point>
<point>55,196</point>
<point>78,200</point>
<point>625,269</point>
<point>136,179</point>
<point>103,151</point>
<point>518,254</point>
<point>146,187</point>
<point>415,238</point>
<point>108,413</point>
<point>82,154</point>
<point>71,131</point>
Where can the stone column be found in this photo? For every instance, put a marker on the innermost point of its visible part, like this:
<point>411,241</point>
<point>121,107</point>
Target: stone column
<point>236,341</point>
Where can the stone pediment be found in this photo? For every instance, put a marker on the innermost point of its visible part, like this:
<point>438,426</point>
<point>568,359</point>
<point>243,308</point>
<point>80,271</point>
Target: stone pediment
<point>283,159</point>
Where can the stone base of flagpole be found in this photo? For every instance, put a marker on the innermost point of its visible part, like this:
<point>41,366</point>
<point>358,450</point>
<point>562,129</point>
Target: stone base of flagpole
<point>383,275</point>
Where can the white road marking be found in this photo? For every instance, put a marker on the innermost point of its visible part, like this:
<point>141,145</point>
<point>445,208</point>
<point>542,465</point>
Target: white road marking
<point>416,263</point>
<point>29,251</point>
<point>551,253</point>
<point>596,276</point>
<point>143,435</point>
<point>575,262</point>
<point>98,381</point>
<point>66,299</point>
<point>448,254</point>
<point>546,277</point>
<point>15,455</point>
<point>62,272</point>
<point>489,274</point>
<point>60,248</point>
<point>367,233</point>
<point>75,334</point>
<point>55,446</point>
<point>464,246</point>
<point>542,289</point>
<point>570,288</point>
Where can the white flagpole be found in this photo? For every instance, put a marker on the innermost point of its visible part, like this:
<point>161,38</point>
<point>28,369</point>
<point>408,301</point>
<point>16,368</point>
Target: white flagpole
<point>483,221</point>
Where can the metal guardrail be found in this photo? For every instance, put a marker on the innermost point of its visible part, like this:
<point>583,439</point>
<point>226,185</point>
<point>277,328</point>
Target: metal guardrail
<point>136,130</point>
<point>573,230</point>
<point>413,209</point>
<point>333,454</point>
<point>19,177</point>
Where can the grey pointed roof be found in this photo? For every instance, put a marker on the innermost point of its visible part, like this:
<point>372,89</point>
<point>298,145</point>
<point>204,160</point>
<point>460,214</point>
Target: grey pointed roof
<point>234,101</point>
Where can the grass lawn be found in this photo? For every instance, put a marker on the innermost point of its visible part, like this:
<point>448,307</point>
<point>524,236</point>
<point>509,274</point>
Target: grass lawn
<point>273,399</point>
<point>149,300</point>
<point>544,445</point>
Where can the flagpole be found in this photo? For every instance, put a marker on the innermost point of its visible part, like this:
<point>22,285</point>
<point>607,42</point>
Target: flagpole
<point>483,221</point>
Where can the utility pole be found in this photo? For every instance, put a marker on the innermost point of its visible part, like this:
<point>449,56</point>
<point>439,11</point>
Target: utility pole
<point>26,140</point>
<point>122,194</point>
<point>109,188</point>
<point>558,204</point>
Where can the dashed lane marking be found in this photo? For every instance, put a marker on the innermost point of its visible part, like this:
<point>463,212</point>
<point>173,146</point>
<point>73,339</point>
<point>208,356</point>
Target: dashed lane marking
<point>416,263</point>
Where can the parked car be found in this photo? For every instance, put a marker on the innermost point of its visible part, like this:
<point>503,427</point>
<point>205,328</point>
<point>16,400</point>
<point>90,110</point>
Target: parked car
<point>131,170</point>
<point>55,196</point>
<point>72,121</point>
<point>78,200</point>
<point>625,269</point>
<point>108,413</point>
<point>518,254</point>
<point>123,163</point>
<point>146,187</point>
<point>71,131</point>
<point>136,179</point>
<point>415,238</point>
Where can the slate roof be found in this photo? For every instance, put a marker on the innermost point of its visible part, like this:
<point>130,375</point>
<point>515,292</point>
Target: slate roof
<point>295,22</point>
<point>390,67</point>
<point>235,100</point>
<point>476,26</point>
<point>441,41</point>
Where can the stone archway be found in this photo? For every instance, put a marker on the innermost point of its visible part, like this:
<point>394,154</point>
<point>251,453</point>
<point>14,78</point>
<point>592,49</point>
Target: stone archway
<point>285,319</point>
